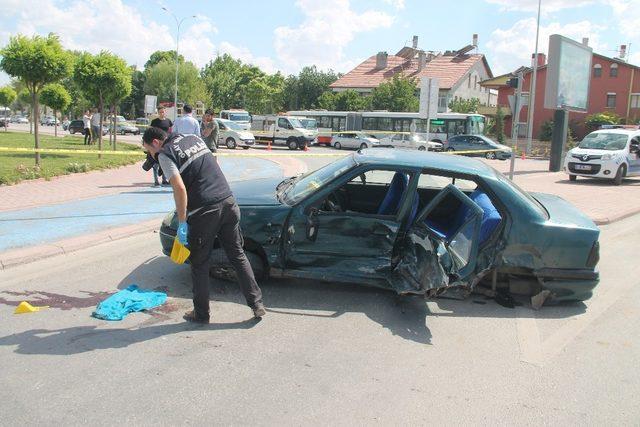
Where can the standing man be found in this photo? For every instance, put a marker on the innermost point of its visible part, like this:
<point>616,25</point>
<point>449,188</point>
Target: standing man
<point>86,122</point>
<point>95,124</point>
<point>210,130</point>
<point>160,122</point>
<point>206,209</point>
<point>186,124</point>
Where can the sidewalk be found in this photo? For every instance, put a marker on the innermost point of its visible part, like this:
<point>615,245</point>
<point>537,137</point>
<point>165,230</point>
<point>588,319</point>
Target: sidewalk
<point>45,218</point>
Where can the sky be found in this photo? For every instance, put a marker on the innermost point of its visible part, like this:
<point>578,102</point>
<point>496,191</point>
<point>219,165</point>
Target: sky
<point>286,35</point>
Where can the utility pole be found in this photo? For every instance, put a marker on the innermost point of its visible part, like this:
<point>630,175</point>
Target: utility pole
<point>515,118</point>
<point>532,87</point>
<point>175,89</point>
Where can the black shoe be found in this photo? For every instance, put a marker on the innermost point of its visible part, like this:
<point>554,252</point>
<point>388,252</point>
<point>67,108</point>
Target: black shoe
<point>259,311</point>
<point>190,316</point>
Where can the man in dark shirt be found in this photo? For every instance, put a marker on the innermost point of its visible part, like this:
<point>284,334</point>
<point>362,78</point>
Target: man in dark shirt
<point>206,210</point>
<point>161,122</point>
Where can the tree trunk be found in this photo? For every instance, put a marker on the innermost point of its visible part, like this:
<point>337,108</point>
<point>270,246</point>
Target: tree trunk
<point>100,109</point>
<point>35,118</point>
<point>55,123</point>
<point>115,131</point>
<point>31,119</point>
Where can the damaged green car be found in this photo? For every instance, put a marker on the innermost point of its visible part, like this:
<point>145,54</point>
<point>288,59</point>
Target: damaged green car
<point>416,223</point>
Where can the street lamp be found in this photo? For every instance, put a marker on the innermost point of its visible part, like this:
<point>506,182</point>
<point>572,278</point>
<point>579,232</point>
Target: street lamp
<point>532,88</point>
<point>175,90</point>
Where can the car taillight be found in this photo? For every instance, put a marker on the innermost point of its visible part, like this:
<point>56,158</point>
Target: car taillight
<point>594,255</point>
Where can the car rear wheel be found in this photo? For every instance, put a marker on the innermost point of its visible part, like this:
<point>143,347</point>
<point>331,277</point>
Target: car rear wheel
<point>363,146</point>
<point>491,155</point>
<point>421,148</point>
<point>337,145</point>
<point>231,143</point>
<point>450,149</point>
<point>573,177</point>
<point>622,171</point>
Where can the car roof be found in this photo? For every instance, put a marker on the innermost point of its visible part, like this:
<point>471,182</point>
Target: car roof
<point>631,132</point>
<point>424,159</point>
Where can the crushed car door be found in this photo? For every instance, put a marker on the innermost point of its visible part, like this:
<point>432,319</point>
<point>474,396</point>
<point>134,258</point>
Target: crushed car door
<point>434,254</point>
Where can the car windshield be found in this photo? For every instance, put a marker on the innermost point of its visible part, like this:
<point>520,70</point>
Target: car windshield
<point>604,141</point>
<point>295,123</point>
<point>309,123</point>
<point>309,183</point>
<point>239,117</point>
<point>232,126</point>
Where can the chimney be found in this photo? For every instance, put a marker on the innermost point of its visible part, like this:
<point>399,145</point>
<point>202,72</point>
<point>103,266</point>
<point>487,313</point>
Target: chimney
<point>475,40</point>
<point>542,59</point>
<point>422,60</point>
<point>623,51</point>
<point>585,41</point>
<point>415,42</point>
<point>381,60</point>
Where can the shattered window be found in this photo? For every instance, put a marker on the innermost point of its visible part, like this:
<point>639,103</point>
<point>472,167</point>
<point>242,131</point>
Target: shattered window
<point>460,245</point>
<point>432,181</point>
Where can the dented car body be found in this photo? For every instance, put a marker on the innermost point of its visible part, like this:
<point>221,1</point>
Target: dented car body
<point>416,223</point>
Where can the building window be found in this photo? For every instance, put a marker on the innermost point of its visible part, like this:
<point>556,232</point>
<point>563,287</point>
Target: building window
<point>597,70</point>
<point>635,100</point>
<point>613,71</point>
<point>611,100</point>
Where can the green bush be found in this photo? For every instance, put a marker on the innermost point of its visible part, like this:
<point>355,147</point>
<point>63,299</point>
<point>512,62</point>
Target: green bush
<point>78,167</point>
<point>546,131</point>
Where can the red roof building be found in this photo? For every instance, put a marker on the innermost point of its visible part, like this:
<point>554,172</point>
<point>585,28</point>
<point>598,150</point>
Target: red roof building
<point>614,87</point>
<point>459,73</point>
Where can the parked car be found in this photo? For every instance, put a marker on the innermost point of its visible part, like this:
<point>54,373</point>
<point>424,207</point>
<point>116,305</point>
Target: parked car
<point>416,223</point>
<point>612,154</point>
<point>48,121</point>
<point>22,120</point>
<point>65,124</point>
<point>77,126</point>
<point>411,141</point>
<point>123,127</point>
<point>354,140</point>
<point>232,135</point>
<point>479,143</point>
<point>142,123</point>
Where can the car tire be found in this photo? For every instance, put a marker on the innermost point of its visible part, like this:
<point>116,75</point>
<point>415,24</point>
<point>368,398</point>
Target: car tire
<point>245,147</point>
<point>337,145</point>
<point>622,171</point>
<point>450,149</point>
<point>422,148</point>
<point>490,155</point>
<point>231,143</point>
<point>363,146</point>
<point>292,143</point>
<point>72,132</point>
<point>226,271</point>
<point>573,177</point>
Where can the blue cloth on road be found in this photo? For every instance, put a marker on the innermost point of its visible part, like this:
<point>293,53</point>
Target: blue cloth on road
<point>129,300</point>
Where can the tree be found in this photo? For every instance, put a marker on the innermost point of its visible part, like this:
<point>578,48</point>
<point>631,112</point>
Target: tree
<point>594,121</point>
<point>36,61</point>
<point>162,55</point>
<point>327,101</point>
<point>103,78</point>
<point>226,80</point>
<point>397,94</point>
<point>56,97</point>
<point>464,106</point>
<point>24,97</point>
<point>160,81</point>
<point>263,94</point>
<point>499,125</point>
<point>7,96</point>
<point>304,90</point>
<point>133,105</point>
<point>348,100</point>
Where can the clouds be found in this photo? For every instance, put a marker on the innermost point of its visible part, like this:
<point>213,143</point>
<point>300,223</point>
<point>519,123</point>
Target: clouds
<point>512,47</point>
<point>532,5</point>
<point>327,29</point>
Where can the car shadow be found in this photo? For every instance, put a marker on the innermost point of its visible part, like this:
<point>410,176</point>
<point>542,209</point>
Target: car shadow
<point>599,182</point>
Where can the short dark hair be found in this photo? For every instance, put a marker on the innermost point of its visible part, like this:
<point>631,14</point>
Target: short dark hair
<point>187,108</point>
<point>153,133</point>
<point>209,111</point>
<point>160,108</point>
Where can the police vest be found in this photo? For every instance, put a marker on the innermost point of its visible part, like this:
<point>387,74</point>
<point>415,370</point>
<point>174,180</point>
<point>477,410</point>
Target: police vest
<point>202,177</point>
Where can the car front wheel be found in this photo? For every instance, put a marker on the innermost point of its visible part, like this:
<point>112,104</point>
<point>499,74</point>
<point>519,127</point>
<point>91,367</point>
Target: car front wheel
<point>231,143</point>
<point>619,175</point>
<point>363,146</point>
<point>491,155</point>
<point>573,177</point>
<point>337,145</point>
<point>421,148</point>
<point>450,149</point>
<point>292,144</point>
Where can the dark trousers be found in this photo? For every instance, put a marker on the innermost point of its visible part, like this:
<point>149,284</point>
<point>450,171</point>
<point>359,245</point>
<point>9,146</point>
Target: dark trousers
<point>87,136</point>
<point>220,220</point>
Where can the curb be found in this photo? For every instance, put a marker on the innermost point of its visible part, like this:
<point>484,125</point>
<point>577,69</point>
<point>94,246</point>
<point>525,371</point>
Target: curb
<point>611,220</point>
<point>15,257</point>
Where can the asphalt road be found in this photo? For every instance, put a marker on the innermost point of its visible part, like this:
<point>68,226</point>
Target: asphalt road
<point>324,354</point>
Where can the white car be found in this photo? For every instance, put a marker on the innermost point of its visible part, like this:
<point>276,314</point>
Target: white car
<point>608,153</point>
<point>354,140</point>
<point>232,135</point>
<point>411,141</point>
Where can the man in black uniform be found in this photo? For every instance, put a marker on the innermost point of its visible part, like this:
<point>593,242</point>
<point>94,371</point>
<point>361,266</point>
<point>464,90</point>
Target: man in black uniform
<point>206,209</point>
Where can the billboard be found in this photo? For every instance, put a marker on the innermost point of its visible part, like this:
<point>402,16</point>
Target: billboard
<point>429,89</point>
<point>568,75</point>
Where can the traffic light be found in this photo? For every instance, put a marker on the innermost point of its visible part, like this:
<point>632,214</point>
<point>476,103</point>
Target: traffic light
<point>513,82</point>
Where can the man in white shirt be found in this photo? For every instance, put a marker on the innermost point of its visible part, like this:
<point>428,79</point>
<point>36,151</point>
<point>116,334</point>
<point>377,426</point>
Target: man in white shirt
<point>95,124</point>
<point>86,121</point>
<point>186,124</point>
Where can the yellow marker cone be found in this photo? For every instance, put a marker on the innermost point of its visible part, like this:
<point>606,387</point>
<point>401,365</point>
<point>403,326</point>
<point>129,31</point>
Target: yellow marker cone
<point>25,307</point>
<point>179,253</point>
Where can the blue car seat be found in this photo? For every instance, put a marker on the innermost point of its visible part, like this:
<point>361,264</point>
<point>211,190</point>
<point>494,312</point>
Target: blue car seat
<point>490,218</point>
<point>391,202</point>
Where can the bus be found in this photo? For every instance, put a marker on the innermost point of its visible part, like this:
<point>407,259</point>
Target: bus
<point>381,123</point>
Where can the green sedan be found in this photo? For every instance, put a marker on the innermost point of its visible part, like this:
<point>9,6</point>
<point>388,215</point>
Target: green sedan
<point>416,223</point>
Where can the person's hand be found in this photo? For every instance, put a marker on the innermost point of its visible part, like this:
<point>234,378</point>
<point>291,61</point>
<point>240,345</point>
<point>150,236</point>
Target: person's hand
<point>183,231</point>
